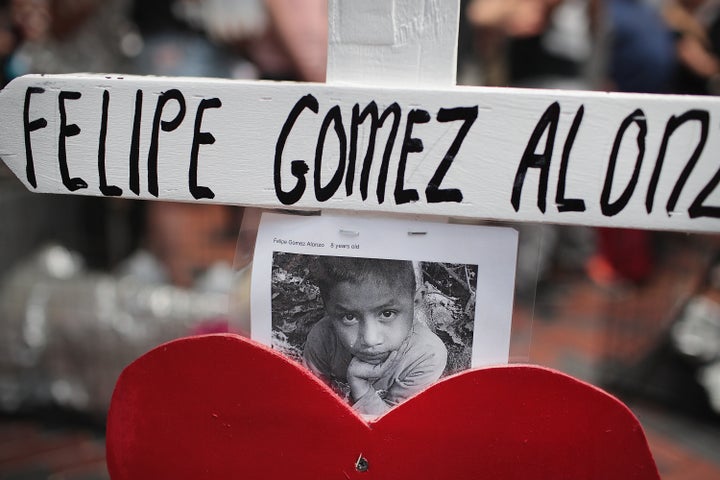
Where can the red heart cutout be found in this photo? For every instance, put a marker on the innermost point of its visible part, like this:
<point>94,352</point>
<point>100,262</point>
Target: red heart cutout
<point>222,407</point>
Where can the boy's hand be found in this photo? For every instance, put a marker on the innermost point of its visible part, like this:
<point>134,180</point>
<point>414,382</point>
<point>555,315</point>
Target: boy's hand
<point>360,375</point>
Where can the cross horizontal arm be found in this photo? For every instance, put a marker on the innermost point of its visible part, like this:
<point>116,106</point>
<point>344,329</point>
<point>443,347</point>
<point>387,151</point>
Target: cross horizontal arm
<point>600,159</point>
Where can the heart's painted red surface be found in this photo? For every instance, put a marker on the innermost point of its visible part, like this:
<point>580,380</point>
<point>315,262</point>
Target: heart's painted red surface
<point>221,407</point>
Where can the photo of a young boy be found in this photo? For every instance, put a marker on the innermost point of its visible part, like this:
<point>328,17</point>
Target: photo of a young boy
<point>370,336</point>
<point>363,325</point>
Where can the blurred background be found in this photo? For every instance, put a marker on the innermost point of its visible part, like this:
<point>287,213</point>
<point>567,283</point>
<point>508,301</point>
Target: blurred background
<point>89,284</point>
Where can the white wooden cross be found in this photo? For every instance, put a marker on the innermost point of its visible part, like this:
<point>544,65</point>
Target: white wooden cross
<point>389,132</point>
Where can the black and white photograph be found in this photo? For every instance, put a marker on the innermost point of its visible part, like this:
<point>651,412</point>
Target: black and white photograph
<point>367,325</point>
<point>379,318</point>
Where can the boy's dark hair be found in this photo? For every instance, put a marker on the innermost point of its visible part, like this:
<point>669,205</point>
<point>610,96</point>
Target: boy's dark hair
<point>329,271</point>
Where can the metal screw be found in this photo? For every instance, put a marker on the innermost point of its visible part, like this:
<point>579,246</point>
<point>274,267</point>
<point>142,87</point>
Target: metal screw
<point>362,465</point>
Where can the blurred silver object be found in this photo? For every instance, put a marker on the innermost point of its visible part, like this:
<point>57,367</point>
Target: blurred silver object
<point>66,333</point>
<point>709,378</point>
<point>696,334</point>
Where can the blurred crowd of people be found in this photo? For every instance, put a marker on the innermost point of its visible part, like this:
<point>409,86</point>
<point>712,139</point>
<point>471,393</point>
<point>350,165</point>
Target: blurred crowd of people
<point>237,39</point>
<point>659,46</point>
<point>643,46</point>
<point>283,39</point>
<point>640,46</point>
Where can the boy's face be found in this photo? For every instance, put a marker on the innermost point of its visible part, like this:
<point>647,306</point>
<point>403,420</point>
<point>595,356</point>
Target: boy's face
<point>371,318</point>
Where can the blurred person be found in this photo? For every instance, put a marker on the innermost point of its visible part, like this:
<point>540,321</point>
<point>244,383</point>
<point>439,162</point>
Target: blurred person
<point>284,40</point>
<point>536,43</point>
<point>175,43</point>
<point>9,37</point>
<point>696,28</point>
<point>301,28</point>
<point>640,59</point>
<point>65,36</point>
<point>371,343</point>
<point>540,44</point>
<point>515,18</point>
